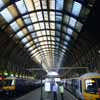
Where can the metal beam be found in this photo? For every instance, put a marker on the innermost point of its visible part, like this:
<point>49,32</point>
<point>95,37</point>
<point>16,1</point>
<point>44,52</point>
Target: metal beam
<point>63,68</point>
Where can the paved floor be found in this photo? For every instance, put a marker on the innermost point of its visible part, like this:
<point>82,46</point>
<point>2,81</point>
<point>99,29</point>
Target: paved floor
<point>36,94</point>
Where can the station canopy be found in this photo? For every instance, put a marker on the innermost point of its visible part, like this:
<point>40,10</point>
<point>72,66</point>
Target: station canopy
<point>46,28</point>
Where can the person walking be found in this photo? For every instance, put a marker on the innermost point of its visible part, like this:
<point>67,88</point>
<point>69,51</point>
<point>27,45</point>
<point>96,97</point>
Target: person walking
<point>54,90</point>
<point>61,90</point>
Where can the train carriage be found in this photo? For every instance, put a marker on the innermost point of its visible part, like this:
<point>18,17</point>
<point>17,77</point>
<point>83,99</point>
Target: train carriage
<point>85,87</point>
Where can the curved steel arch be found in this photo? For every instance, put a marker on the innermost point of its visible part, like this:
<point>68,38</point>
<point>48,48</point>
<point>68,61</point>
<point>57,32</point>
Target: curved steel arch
<point>21,15</point>
<point>45,29</point>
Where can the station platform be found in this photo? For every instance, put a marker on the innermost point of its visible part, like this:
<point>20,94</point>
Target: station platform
<point>36,94</point>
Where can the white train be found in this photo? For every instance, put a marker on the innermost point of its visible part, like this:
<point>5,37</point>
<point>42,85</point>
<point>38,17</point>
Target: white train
<point>85,87</point>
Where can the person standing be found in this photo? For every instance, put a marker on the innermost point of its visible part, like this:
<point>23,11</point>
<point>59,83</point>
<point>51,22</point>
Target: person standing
<point>54,90</point>
<point>61,90</point>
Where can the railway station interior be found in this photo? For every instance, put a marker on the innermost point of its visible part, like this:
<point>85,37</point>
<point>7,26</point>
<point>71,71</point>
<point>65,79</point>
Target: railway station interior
<point>49,42</point>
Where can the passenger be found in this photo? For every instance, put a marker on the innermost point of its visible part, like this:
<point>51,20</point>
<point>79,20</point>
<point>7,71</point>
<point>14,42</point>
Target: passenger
<point>61,90</point>
<point>54,90</point>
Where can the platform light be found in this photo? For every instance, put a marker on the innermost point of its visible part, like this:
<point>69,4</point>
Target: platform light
<point>16,75</point>
<point>5,73</point>
<point>52,73</point>
<point>11,75</point>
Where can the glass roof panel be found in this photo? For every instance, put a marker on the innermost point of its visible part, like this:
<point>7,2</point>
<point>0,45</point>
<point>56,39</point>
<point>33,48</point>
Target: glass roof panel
<point>36,26</point>
<point>48,32</point>
<point>52,16</point>
<point>29,5</point>
<point>21,6</point>
<point>40,39</point>
<point>53,33</point>
<point>47,25</point>
<point>65,43</point>
<point>40,16</point>
<point>13,10</point>
<point>33,35</point>
<point>36,40</point>
<point>44,5</point>
<point>28,37</point>
<point>27,20</point>
<point>78,26</point>
<point>69,31</point>
<point>58,18</point>
<point>1,4</point>
<point>66,19</point>
<point>67,38</point>
<point>38,33</point>
<point>37,4</point>
<point>45,15</point>
<point>45,38</point>
<point>72,22</point>
<point>20,34</point>
<point>43,33</point>
<point>29,44</point>
<point>52,4</point>
<point>52,38</point>
<point>76,8</point>
<point>69,5</point>
<point>57,39</point>
<point>64,29</point>
<point>6,15</point>
<point>14,26</point>
<point>58,26</point>
<point>42,25</point>
<point>20,22</point>
<point>24,40</point>
<point>30,28</point>
<point>25,31</point>
<point>33,17</point>
<point>59,4</point>
<point>31,48</point>
<point>52,25</point>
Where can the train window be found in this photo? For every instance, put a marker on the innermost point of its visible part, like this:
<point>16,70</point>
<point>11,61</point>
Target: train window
<point>7,82</point>
<point>92,85</point>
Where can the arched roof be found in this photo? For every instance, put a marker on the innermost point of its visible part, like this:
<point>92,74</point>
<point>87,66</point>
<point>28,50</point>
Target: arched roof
<point>47,29</point>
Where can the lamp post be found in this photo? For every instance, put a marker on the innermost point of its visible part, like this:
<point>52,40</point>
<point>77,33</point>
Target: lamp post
<point>41,97</point>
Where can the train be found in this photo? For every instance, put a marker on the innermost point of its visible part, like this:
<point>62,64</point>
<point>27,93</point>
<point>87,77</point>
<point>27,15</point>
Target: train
<point>12,86</point>
<point>85,87</point>
<point>7,85</point>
